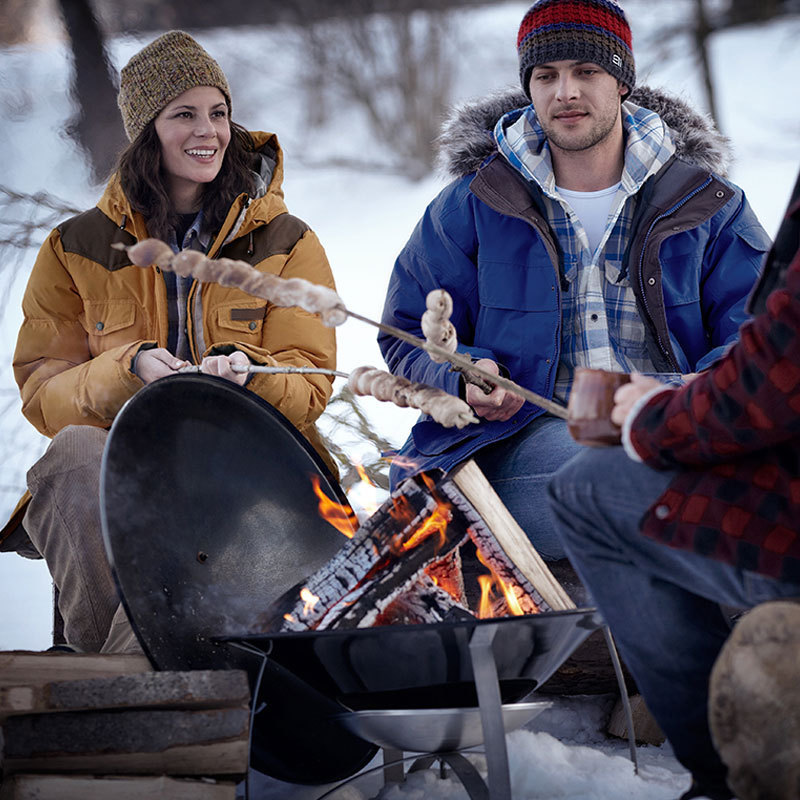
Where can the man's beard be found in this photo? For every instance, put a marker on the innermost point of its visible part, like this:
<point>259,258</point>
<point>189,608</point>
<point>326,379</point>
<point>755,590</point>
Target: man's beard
<point>600,129</point>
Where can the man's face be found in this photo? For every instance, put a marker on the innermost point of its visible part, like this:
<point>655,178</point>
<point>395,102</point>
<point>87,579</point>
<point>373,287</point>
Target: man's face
<point>577,103</point>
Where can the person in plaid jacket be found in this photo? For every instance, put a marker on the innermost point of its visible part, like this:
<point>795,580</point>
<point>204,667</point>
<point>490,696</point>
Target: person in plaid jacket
<point>712,470</point>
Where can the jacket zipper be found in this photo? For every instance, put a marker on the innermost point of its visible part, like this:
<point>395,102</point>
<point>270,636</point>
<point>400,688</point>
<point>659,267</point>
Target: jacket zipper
<point>667,352</point>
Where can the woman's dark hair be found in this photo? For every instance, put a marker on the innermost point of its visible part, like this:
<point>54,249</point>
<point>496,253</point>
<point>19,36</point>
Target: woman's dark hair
<point>142,180</point>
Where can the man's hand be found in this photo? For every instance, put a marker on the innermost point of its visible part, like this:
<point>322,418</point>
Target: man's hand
<point>221,365</point>
<point>629,393</point>
<point>157,363</point>
<point>499,404</point>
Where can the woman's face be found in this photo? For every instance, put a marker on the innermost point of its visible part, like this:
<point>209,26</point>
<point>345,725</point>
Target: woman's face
<point>194,131</point>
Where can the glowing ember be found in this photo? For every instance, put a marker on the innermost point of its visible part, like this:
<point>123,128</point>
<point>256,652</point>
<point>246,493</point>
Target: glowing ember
<point>342,517</point>
<point>310,600</point>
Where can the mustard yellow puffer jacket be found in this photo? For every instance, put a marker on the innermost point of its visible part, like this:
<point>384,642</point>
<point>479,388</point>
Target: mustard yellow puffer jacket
<point>88,311</point>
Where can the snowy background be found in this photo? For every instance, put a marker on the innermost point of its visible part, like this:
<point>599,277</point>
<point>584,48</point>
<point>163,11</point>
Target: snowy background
<point>363,218</point>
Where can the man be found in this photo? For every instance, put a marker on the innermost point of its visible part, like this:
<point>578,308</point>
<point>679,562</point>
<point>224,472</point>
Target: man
<point>580,230</point>
<point>727,504</point>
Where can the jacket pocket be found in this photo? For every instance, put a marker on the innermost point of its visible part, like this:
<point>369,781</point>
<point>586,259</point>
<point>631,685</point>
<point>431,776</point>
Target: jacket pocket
<point>518,287</point>
<point>241,321</point>
<point>110,323</point>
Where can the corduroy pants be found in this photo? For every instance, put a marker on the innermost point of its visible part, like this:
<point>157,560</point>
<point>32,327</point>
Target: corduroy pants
<point>63,524</point>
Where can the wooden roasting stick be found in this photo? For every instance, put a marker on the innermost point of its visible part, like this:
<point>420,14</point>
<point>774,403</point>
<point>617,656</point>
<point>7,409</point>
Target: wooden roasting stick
<point>312,298</point>
<point>473,485</point>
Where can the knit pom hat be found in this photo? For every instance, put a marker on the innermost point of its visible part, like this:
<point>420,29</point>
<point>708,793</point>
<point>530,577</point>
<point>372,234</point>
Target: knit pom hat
<point>161,71</point>
<point>576,30</point>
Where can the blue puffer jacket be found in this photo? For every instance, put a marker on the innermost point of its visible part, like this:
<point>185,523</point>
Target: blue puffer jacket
<point>696,250</point>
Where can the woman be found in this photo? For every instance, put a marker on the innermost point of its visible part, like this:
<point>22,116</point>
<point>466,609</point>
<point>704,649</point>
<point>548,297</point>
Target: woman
<point>96,328</point>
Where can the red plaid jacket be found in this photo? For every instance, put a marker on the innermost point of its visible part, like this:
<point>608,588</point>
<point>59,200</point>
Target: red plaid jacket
<point>735,433</point>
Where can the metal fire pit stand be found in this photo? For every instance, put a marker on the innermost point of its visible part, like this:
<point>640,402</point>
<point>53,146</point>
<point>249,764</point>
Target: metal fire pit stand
<point>498,783</point>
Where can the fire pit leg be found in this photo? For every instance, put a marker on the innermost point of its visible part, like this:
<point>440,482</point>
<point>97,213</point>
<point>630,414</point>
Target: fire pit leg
<point>393,766</point>
<point>470,777</point>
<point>484,669</point>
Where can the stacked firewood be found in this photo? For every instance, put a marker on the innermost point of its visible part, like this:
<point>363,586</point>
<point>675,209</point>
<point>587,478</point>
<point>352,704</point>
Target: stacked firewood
<point>90,727</point>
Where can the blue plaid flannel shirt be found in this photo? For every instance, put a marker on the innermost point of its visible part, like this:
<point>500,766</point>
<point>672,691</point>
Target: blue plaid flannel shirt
<point>601,327</point>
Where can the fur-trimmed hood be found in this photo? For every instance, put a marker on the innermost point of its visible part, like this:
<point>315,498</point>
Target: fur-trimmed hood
<point>467,136</point>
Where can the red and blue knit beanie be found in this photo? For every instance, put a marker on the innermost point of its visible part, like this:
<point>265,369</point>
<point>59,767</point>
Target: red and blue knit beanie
<point>576,30</point>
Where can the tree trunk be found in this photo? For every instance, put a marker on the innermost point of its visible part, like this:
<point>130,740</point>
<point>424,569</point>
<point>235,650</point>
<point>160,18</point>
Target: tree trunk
<point>702,32</point>
<point>97,126</point>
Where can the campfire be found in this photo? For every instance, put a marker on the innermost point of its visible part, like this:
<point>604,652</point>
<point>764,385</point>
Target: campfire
<point>403,565</point>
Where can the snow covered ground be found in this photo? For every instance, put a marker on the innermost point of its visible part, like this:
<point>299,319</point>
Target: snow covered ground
<point>363,220</point>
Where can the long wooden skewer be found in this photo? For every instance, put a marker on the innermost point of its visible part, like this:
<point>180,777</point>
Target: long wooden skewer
<point>464,363</point>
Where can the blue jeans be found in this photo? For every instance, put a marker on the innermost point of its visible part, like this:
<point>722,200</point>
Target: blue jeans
<point>661,604</point>
<point>520,468</point>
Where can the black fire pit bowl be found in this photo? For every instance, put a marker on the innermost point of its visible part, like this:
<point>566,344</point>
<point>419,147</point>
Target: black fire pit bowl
<point>209,514</point>
<point>427,666</point>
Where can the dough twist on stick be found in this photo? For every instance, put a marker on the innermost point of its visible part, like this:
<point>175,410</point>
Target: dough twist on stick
<point>284,292</point>
<point>446,409</point>
<point>439,331</point>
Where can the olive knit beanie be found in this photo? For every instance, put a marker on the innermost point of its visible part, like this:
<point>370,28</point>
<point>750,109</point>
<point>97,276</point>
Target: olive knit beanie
<point>576,30</point>
<point>161,71</point>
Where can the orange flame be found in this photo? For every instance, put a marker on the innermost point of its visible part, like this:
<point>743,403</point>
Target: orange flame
<point>485,607</point>
<point>488,582</point>
<point>342,517</point>
<point>436,523</point>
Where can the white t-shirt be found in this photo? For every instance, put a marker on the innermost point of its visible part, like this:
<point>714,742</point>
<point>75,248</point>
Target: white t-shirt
<point>592,209</point>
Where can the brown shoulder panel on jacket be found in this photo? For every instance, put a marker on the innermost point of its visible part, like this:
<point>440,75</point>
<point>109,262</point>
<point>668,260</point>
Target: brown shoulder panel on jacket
<point>278,237</point>
<point>91,235</point>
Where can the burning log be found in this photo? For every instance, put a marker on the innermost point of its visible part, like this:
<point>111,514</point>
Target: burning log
<point>384,572</point>
<point>509,536</point>
<point>515,596</point>
<point>447,574</point>
<point>388,553</point>
<point>423,602</point>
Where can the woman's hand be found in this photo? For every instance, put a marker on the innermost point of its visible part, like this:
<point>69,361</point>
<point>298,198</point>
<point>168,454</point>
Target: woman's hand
<point>157,363</point>
<point>221,365</point>
<point>498,404</point>
<point>629,393</point>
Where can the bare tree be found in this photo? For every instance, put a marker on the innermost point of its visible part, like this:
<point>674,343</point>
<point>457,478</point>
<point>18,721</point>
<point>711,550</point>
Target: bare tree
<point>704,19</point>
<point>396,68</point>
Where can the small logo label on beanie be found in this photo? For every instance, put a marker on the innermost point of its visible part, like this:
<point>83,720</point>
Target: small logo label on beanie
<point>617,60</point>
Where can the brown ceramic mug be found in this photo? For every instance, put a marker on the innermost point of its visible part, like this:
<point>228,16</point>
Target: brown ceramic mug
<point>590,403</point>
